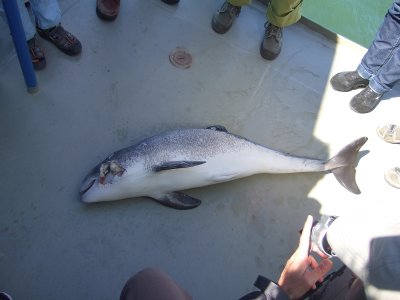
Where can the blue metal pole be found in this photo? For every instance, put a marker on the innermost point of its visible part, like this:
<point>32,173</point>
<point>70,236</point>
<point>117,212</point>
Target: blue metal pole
<point>18,34</point>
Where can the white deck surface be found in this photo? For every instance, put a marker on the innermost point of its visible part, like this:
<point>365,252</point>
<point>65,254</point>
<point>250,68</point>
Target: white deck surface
<point>122,88</point>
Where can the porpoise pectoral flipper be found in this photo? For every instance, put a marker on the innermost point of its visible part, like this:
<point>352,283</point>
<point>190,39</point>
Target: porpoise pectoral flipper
<point>169,165</point>
<point>342,165</point>
<point>177,200</point>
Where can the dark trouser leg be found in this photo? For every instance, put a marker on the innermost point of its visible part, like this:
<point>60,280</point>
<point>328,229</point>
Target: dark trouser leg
<point>153,284</point>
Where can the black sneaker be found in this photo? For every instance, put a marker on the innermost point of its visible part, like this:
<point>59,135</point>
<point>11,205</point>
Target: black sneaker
<point>271,44</point>
<point>347,81</point>
<point>37,55</point>
<point>365,101</point>
<point>224,17</point>
<point>62,39</point>
<point>318,234</point>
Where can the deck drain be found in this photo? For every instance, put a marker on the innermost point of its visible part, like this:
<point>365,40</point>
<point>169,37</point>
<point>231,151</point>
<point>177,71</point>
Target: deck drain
<point>180,58</point>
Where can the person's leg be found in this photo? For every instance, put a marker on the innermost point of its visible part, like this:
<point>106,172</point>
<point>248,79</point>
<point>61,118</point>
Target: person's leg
<point>47,13</point>
<point>48,24</point>
<point>25,18</point>
<point>370,246</point>
<point>107,9</point>
<point>389,133</point>
<point>239,2</point>
<point>382,58</point>
<point>379,69</point>
<point>283,13</point>
<point>5,296</point>
<point>153,284</point>
<point>387,41</point>
<point>280,14</point>
<point>35,51</point>
<point>342,284</point>
<point>224,17</point>
<point>392,177</point>
<point>381,64</point>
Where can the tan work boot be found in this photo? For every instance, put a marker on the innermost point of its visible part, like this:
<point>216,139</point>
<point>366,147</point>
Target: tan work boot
<point>389,133</point>
<point>392,177</point>
<point>271,44</point>
<point>224,17</point>
<point>107,9</point>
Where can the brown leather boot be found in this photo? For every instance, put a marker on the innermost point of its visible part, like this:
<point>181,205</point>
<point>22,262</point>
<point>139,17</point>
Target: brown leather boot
<point>107,9</point>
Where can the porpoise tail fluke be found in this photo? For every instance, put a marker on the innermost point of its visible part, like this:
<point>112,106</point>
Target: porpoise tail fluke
<point>342,165</point>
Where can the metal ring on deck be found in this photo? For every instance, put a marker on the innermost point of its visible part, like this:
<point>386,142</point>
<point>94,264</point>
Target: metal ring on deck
<point>180,58</point>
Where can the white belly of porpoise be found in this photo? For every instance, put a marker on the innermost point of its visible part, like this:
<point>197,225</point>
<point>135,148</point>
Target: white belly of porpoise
<point>137,181</point>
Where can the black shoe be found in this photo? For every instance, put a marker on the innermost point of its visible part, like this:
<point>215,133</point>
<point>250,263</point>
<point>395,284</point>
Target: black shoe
<point>318,234</point>
<point>224,17</point>
<point>365,101</point>
<point>271,44</point>
<point>170,1</point>
<point>347,81</point>
<point>37,55</point>
<point>62,39</point>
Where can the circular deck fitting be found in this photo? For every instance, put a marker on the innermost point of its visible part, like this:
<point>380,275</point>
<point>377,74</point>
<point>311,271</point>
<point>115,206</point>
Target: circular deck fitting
<point>180,58</point>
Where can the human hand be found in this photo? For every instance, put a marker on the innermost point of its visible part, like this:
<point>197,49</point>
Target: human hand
<point>302,271</point>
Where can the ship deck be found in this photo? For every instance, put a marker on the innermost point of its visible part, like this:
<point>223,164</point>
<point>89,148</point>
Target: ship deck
<point>123,88</point>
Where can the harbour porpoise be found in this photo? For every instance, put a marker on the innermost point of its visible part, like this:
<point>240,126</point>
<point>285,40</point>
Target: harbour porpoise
<point>160,167</point>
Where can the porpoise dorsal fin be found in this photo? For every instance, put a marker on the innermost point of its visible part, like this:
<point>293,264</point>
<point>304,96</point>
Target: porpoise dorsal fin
<point>217,128</point>
<point>177,200</point>
<point>169,165</point>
